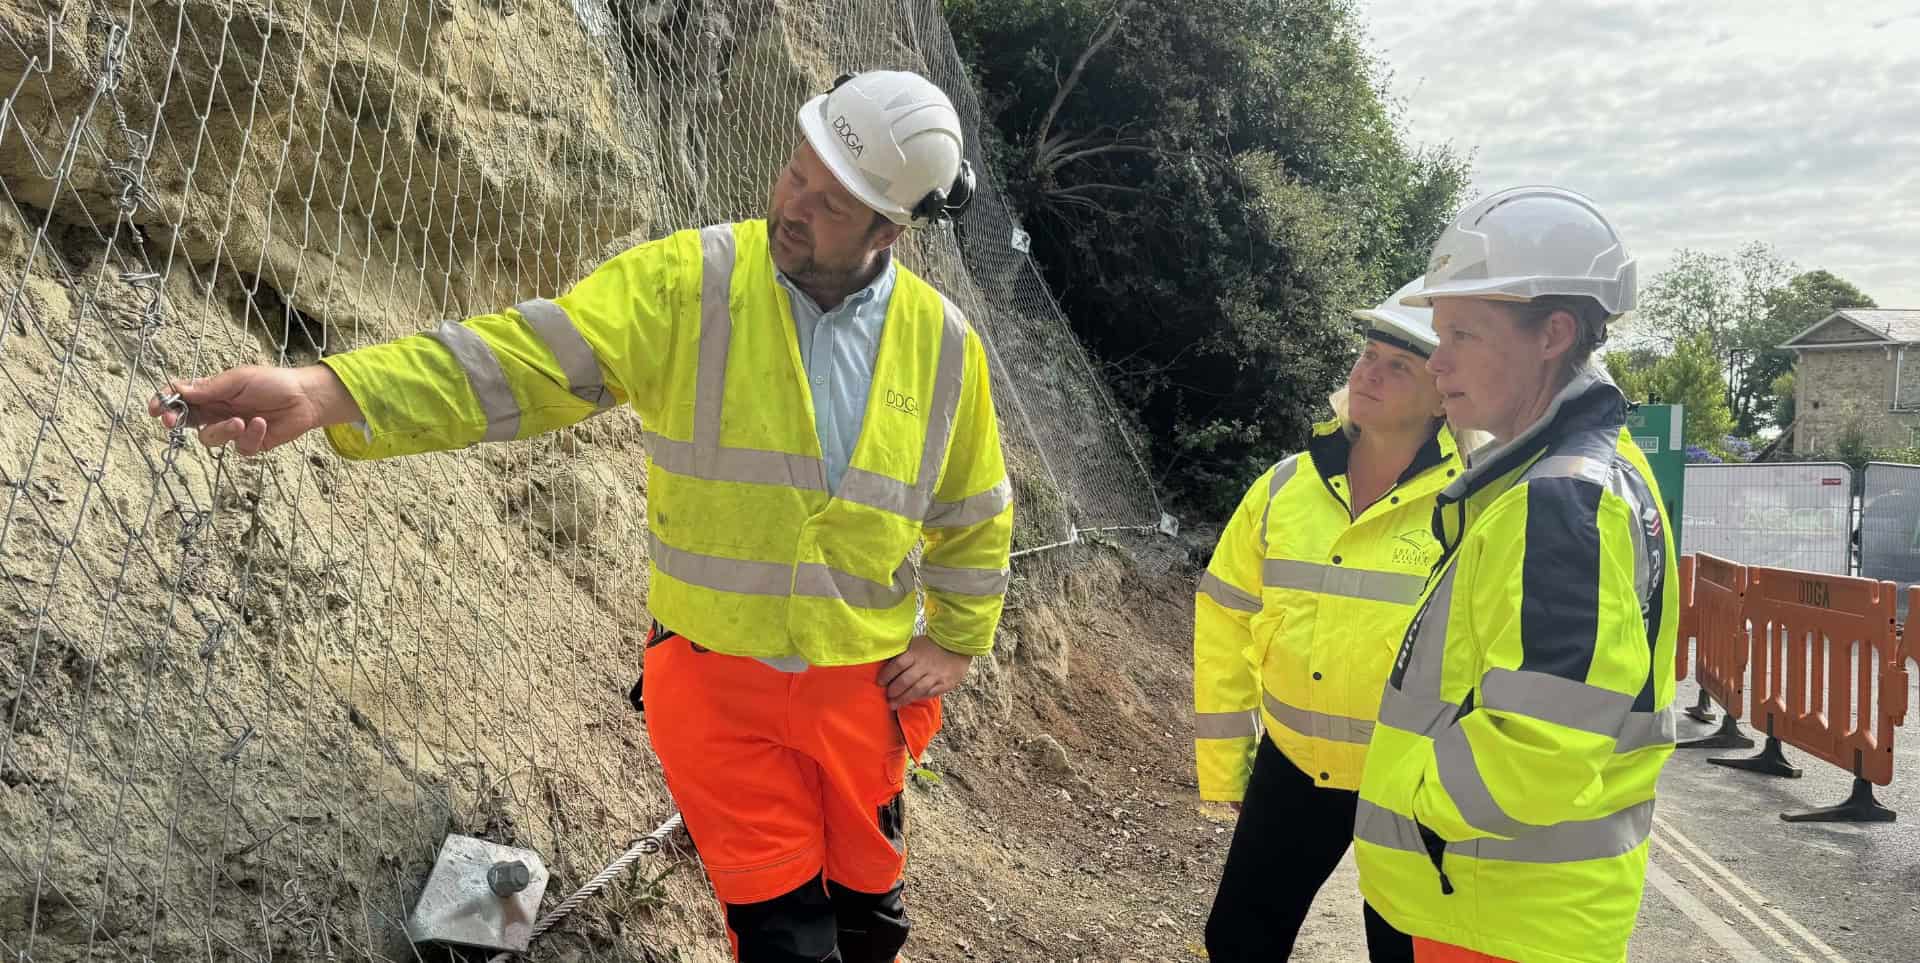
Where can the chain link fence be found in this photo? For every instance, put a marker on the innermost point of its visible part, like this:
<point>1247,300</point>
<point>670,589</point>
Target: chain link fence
<point>242,700</point>
<point>1783,515</point>
<point>1889,531</point>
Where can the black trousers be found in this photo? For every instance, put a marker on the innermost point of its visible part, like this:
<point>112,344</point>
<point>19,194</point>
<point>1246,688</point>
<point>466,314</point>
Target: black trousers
<point>1290,838</point>
<point>821,924</point>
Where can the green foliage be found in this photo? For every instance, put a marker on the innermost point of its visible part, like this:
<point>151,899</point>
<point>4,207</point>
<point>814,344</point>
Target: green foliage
<point>1852,446</point>
<point>1211,187</point>
<point>1690,376</point>
<point>1900,455</point>
<point>1784,407</point>
<point>1724,300</point>
<point>1805,301</point>
<point>1744,305</point>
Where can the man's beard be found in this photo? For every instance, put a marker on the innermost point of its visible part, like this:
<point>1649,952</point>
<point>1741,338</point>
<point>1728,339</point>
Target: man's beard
<point>810,271</point>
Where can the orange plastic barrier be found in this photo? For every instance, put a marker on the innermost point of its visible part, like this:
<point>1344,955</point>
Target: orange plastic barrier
<point>1833,679</point>
<point>1716,615</point>
<point>1815,661</point>
<point>1829,678</point>
<point>1687,622</point>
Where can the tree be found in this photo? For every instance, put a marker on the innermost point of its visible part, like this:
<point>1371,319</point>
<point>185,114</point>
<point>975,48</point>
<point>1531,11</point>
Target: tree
<point>1805,301</point>
<point>1211,187</point>
<point>1785,410</point>
<point>1690,376</point>
<point>1631,369</point>
<point>1727,301</point>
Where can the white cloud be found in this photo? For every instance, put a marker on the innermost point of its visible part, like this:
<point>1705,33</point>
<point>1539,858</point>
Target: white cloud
<point>1698,125</point>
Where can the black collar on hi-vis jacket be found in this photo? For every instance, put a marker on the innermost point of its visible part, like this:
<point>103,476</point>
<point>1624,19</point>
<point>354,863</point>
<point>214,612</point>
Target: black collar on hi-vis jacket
<point>1589,402</point>
<point>1332,448</point>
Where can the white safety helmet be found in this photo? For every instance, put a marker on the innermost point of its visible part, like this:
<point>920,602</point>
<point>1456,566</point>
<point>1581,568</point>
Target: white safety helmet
<point>893,139</point>
<point>1530,242</point>
<point>1397,324</point>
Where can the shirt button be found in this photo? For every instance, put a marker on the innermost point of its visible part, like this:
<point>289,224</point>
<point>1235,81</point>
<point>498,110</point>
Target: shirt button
<point>1450,473</point>
<point>1395,500</point>
<point>1336,560</point>
<point>820,381</point>
<point>1316,677</point>
<point>1324,777</point>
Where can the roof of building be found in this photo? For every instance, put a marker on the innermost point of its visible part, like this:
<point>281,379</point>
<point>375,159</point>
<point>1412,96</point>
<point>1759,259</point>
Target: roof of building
<point>1861,326</point>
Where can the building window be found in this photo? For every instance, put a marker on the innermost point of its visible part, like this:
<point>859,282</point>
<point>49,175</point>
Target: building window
<point>1913,437</point>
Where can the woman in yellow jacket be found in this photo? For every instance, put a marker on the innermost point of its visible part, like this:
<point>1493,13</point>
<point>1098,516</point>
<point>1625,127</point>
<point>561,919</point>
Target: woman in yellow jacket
<point>1508,794</point>
<point>1295,626</point>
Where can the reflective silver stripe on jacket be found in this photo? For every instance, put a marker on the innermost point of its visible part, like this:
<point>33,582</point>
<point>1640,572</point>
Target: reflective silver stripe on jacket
<point>576,357</point>
<point>965,581</point>
<point>1343,581</point>
<point>1576,705</point>
<point>1319,725</point>
<point>705,458</point>
<point>485,376</point>
<point>1415,705</point>
<point>973,509</point>
<point>1460,777</point>
<point>1603,838</point>
<point>821,581</point>
<point>716,334</point>
<point>1214,587</point>
<point>1242,724</point>
<point>1282,473</point>
<point>743,577</point>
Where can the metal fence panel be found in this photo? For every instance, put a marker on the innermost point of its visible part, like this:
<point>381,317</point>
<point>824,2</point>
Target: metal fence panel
<point>1890,526</point>
<point>1781,515</point>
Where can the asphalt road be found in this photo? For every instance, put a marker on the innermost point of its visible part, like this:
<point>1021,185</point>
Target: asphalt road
<point>1732,881</point>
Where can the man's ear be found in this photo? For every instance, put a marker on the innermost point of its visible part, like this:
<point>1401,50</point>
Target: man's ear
<point>883,233</point>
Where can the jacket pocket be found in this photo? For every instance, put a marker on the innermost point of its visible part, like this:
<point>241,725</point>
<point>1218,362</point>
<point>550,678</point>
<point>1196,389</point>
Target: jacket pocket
<point>637,696</point>
<point>1436,851</point>
<point>893,822</point>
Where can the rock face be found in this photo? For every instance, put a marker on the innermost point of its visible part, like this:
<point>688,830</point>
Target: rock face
<point>242,700</point>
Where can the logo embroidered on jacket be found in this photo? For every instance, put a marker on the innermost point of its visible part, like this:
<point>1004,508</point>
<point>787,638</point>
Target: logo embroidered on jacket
<point>1410,550</point>
<point>902,402</point>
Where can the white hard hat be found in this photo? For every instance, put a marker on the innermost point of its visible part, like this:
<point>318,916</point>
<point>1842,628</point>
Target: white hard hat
<point>1402,326</point>
<point>1529,242</point>
<point>893,139</point>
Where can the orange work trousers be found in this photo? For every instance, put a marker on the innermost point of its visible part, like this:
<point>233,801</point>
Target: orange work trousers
<point>787,780</point>
<point>1427,951</point>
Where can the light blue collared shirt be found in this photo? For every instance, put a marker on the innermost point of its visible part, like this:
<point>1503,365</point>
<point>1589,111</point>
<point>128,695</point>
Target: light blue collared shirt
<point>838,348</point>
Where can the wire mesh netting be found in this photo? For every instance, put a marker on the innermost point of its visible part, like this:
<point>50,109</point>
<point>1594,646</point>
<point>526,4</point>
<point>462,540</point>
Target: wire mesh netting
<point>242,700</point>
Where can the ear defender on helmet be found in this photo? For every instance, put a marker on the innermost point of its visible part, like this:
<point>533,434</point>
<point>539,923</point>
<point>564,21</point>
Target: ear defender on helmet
<point>941,205</point>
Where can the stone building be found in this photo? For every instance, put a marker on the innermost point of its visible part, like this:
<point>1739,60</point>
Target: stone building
<point>1853,368</point>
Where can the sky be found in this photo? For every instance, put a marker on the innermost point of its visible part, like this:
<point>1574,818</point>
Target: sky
<point>1701,124</point>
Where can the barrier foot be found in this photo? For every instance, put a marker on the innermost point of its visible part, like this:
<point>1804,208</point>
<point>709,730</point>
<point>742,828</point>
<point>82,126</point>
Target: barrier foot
<point>1860,807</point>
<point>1729,737</point>
<point>1771,761</point>
<point>1702,711</point>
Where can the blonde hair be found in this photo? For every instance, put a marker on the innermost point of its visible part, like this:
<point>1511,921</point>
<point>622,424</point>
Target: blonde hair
<point>1338,401</point>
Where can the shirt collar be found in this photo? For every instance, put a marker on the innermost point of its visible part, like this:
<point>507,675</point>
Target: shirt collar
<point>882,281</point>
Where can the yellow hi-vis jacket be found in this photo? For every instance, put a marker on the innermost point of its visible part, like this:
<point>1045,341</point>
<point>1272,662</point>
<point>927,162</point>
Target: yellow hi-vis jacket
<point>751,555</point>
<point>1301,611</point>
<point>1508,795</point>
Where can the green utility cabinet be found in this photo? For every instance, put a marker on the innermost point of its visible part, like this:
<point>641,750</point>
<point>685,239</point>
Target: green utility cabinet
<point>1657,430</point>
